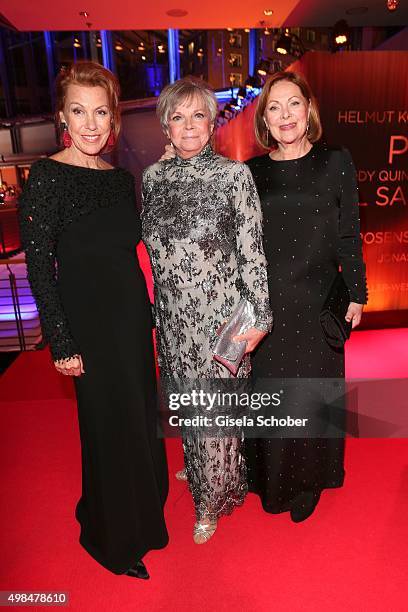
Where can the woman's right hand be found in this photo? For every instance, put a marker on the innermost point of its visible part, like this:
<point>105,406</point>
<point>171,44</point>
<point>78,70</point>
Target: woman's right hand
<point>169,153</point>
<point>70,367</point>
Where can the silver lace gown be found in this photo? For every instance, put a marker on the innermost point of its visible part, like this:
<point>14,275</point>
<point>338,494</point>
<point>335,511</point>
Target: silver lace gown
<point>202,226</point>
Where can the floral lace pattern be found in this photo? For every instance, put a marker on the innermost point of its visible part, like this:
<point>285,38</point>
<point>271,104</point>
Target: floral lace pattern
<point>202,225</point>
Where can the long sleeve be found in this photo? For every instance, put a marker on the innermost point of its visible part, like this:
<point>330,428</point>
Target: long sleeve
<point>38,216</point>
<point>350,247</point>
<point>145,188</point>
<point>251,257</point>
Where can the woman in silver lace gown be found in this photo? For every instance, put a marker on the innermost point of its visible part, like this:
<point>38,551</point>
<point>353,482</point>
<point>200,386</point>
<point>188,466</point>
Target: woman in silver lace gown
<point>202,226</point>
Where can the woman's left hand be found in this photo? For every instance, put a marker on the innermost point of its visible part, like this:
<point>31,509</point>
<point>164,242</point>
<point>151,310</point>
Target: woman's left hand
<point>252,337</point>
<point>354,313</point>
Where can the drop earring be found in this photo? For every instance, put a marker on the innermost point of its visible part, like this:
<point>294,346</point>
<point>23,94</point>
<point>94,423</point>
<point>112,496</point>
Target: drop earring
<point>66,136</point>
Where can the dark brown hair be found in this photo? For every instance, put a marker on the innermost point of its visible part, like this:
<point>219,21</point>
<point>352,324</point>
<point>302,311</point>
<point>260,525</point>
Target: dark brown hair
<point>263,136</point>
<point>89,74</point>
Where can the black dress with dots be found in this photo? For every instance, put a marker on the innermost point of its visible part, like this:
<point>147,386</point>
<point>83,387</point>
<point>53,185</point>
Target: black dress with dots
<point>96,305</point>
<point>311,227</point>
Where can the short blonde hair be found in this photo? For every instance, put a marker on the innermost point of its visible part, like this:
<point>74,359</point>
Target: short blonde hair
<point>262,135</point>
<point>90,74</point>
<point>184,89</point>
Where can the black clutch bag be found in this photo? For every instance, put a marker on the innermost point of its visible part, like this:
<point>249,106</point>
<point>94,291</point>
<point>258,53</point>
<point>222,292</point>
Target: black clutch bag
<point>332,316</point>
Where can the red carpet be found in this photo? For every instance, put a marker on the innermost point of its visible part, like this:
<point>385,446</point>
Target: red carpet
<point>351,554</point>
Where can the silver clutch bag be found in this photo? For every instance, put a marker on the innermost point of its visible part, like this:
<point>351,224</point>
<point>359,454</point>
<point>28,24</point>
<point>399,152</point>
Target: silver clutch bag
<point>227,352</point>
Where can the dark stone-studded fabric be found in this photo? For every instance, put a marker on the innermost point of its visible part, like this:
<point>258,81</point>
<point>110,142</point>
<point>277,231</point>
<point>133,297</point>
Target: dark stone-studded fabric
<point>97,305</point>
<point>55,195</point>
<point>311,226</point>
<point>202,226</point>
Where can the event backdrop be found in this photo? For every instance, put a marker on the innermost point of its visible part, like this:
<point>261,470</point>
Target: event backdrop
<point>363,99</point>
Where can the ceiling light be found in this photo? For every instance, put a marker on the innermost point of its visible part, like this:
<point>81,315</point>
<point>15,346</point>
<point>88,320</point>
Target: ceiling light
<point>267,32</point>
<point>143,57</point>
<point>284,44</point>
<point>263,68</point>
<point>77,44</point>
<point>119,46</point>
<point>392,5</point>
<point>247,30</point>
<point>341,32</point>
<point>268,12</point>
<point>177,12</point>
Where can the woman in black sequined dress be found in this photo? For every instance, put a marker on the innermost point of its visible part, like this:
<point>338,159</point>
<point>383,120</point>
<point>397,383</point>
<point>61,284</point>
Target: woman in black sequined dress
<point>79,212</point>
<point>311,226</point>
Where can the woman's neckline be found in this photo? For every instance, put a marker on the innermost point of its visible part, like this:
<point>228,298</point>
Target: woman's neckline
<point>205,153</point>
<point>57,161</point>
<point>282,161</point>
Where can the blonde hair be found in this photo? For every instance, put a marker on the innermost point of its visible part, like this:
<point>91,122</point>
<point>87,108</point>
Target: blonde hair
<point>263,135</point>
<point>183,89</point>
<point>90,74</point>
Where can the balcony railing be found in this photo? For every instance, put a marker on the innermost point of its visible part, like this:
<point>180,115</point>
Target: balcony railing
<point>19,322</point>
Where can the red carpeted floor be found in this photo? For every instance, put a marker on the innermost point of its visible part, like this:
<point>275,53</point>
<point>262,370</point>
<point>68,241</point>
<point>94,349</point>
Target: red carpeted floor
<point>352,554</point>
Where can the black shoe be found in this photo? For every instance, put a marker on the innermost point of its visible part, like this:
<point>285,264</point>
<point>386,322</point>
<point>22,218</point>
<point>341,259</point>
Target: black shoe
<point>303,505</point>
<point>138,571</point>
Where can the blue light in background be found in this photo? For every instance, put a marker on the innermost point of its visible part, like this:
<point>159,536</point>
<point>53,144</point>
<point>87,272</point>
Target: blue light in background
<point>108,57</point>
<point>174,55</point>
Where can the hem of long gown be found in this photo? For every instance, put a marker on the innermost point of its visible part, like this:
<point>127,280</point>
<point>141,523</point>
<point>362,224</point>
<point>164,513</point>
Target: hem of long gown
<point>226,510</point>
<point>279,508</point>
<point>133,558</point>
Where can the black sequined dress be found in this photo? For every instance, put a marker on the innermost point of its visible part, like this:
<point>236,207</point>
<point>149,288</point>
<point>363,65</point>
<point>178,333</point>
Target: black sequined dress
<point>311,226</point>
<point>86,221</point>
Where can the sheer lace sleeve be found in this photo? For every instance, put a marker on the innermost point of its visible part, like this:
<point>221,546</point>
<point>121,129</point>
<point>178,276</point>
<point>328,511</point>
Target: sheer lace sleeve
<point>38,216</point>
<point>251,257</point>
<point>350,249</point>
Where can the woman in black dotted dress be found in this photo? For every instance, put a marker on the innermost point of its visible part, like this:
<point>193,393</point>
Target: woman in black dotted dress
<point>311,226</point>
<point>79,212</point>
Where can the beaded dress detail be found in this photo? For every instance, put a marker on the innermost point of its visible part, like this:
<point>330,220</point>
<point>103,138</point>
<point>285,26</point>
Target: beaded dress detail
<point>311,227</point>
<point>202,226</point>
<point>79,228</point>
